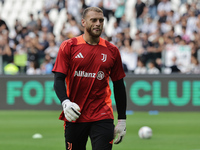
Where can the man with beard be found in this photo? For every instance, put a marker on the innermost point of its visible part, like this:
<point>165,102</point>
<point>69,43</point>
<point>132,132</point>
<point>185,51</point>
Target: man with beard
<point>85,63</point>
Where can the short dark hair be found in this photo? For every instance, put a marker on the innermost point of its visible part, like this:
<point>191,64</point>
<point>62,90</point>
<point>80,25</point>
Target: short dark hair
<point>97,9</point>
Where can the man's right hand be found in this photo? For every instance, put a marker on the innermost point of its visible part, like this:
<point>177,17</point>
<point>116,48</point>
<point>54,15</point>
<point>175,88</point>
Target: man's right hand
<point>71,110</point>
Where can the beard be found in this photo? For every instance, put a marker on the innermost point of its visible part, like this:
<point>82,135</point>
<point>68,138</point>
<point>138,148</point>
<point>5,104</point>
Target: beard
<point>93,33</point>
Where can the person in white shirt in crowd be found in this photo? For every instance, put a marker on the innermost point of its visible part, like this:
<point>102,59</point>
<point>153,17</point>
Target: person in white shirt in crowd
<point>124,24</point>
<point>116,33</point>
<point>194,66</point>
<point>71,28</point>
<point>191,23</point>
<point>149,26</point>
<point>46,22</point>
<point>129,57</point>
<point>173,17</point>
<point>164,6</point>
<point>33,68</point>
<point>137,44</point>
<point>152,68</point>
<point>52,50</point>
<point>141,68</point>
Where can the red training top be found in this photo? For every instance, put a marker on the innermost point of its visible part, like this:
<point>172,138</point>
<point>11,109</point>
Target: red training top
<point>87,69</point>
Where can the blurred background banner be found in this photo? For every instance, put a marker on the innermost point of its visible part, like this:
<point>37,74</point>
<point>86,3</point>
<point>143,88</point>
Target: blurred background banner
<point>174,92</point>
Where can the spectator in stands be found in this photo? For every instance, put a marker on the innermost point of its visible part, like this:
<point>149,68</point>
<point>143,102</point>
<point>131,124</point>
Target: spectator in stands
<point>124,24</point>
<point>18,27</point>
<point>174,67</point>
<point>185,36</point>
<point>60,4</point>
<point>109,8</point>
<point>173,17</point>
<point>141,11</point>
<point>11,69</point>
<point>73,9</point>
<point>33,68</point>
<point>116,33</point>
<point>191,22</point>
<point>5,50</point>
<point>147,46</point>
<point>137,44</point>
<point>194,66</point>
<point>30,47</point>
<point>47,66</point>
<point>140,68</point>
<point>129,57</point>
<point>152,68</point>
<point>152,8</point>
<point>164,7</point>
<point>39,24</point>
<point>32,24</point>
<point>52,50</point>
<point>46,22</point>
<point>120,9</point>
<point>3,25</point>
<point>71,29</point>
<point>40,43</point>
<point>149,26</point>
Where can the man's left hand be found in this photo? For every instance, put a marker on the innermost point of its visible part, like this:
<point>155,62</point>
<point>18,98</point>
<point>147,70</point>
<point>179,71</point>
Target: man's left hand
<point>120,130</point>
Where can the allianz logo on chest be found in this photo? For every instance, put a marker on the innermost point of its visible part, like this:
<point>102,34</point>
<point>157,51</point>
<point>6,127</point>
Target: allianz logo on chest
<point>100,75</point>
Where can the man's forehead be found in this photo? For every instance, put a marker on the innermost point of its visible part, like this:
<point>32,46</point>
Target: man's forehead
<point>94,14</point>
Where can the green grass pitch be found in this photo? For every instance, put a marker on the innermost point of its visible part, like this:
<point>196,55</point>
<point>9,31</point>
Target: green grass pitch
<point>171,131</point>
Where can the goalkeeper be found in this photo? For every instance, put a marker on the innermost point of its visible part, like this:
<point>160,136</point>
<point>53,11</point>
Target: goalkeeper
<point>82,70</point>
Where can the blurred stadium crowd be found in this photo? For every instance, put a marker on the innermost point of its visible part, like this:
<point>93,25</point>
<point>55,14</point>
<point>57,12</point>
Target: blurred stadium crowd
<point>153,36</point>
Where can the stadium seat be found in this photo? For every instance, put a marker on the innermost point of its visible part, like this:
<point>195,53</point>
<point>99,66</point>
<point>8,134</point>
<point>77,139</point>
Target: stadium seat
<point>53,15</point>
<point>109,26</point>
<point>63,15</point>
<point>17,6</point>
<point>10,20</point>
<point>57,29</point>
<point>24,17</point>
<point>38,5</point>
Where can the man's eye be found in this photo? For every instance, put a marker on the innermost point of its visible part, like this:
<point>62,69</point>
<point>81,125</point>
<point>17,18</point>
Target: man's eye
<point>101,20</point>
<point>94,20</point>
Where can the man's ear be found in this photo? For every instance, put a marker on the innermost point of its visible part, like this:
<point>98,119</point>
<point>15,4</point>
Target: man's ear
<point>83,22</point>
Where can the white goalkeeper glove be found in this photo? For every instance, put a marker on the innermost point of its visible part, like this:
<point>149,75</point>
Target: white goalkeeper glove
<point>120,130</point>
<point>71,110</point>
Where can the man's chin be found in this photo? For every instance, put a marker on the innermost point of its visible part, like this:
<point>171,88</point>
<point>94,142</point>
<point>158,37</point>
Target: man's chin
<point>96,34</point>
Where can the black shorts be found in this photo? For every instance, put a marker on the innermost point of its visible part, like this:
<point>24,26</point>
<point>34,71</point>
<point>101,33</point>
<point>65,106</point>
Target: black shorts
<point>100,132</point>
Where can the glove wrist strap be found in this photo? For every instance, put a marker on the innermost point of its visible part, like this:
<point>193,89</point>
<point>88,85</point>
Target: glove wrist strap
<point>65,101</point>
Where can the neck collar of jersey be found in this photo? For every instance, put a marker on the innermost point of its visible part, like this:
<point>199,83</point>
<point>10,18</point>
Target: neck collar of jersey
<point>80,40</point>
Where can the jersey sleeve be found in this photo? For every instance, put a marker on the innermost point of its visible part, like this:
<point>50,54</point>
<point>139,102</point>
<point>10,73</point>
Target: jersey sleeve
<point>62,61</point>
<point>117,71</point>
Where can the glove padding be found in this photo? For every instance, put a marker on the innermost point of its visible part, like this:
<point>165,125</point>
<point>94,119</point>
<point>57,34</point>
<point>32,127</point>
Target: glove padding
<point>71,110</point>
<point>120,130</point>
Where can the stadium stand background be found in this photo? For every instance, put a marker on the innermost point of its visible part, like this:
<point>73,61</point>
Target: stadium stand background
<point>32,45</point>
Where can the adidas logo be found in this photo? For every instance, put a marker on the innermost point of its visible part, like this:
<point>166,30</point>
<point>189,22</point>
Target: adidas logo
<point>79,56</point>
